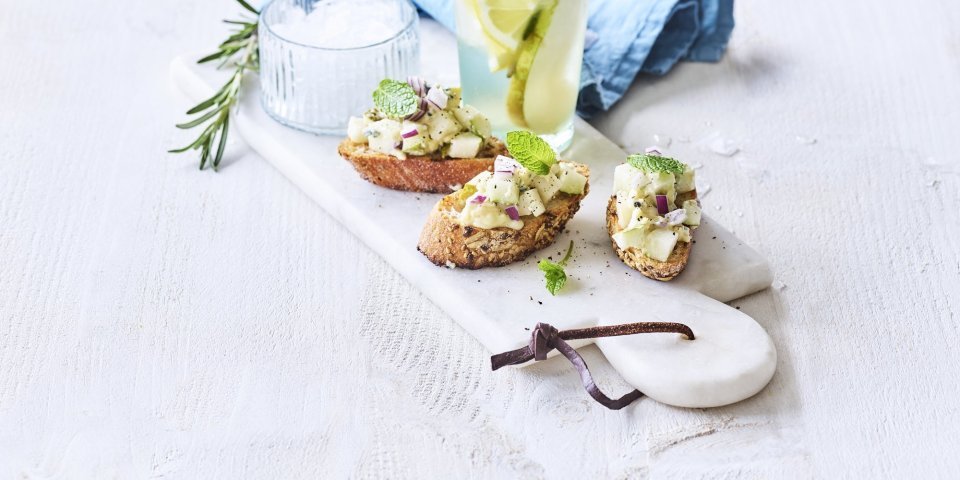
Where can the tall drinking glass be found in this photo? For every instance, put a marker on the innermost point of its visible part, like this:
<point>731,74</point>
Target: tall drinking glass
<point>520,63</point>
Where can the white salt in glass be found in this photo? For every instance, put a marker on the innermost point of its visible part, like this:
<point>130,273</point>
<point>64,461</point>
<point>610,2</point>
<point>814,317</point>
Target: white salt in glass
<point>320,60</point>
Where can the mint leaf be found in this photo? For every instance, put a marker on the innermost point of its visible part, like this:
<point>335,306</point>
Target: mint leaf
<point>655,163</point>
<point>395,99</point>
<point>554,274</point>
<point>531,151</point>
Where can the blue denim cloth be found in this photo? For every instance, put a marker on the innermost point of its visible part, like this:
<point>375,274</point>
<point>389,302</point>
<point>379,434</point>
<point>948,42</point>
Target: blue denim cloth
<point>625,37</point>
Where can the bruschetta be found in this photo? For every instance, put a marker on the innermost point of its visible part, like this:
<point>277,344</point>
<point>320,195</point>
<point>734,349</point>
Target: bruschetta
<point>419,137</point>
<point>652,214</point>
<point>503,216</point>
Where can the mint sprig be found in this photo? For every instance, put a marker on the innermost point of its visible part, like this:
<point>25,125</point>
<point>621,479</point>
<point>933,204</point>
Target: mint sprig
<point>554,274</point>
<point>395,99</point>
<point>656,163</point>
<point>531,151</point>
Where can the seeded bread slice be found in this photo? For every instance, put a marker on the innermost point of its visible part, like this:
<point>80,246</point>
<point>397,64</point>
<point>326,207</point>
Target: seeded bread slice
<point>448,243</point>
<point>428,173</point>
<point>650,268</point>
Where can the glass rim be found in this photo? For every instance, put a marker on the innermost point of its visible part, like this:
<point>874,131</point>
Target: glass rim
<point>406,28</point>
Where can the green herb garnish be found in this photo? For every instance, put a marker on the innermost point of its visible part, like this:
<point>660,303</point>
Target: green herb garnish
<point>396,99</point>
<point>553,272</point>
<point>656,163</point>
<point>531,151</point>
<point>241,44</point>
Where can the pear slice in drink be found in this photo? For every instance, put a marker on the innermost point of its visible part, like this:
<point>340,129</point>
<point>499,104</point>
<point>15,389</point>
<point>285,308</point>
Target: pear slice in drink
<point>533,36</point>
<point>543,88</point>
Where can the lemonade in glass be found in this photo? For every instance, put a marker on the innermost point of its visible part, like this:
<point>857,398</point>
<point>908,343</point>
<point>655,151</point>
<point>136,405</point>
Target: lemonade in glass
<point>520,63</point>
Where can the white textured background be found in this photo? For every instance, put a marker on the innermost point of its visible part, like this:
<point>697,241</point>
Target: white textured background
<point>156,321</point>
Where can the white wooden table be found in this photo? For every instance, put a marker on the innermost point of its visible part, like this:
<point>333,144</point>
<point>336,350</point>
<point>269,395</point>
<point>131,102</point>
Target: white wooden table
<point>156,321</point>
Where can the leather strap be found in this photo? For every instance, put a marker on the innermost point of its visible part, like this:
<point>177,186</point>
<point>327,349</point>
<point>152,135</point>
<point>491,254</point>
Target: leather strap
<point>545,338</point>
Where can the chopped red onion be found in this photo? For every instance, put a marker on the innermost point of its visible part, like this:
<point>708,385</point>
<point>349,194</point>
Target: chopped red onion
<point>437,97</point>
<point>478,199</point>
<point>662,207</point>
<point>413,132</point>
<point>421,111</point>
<point>503,174</point>
<point>512,212</point>
<point>418,84</point>
<point>653,151</point>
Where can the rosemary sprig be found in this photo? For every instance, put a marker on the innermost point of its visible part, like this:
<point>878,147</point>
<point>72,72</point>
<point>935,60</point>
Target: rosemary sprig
<point>241,52</point>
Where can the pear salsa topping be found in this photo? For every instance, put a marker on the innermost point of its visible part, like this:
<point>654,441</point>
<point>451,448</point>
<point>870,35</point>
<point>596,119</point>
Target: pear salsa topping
<point>518,186</point>
<point>649,214</point>
<point>418,118</point>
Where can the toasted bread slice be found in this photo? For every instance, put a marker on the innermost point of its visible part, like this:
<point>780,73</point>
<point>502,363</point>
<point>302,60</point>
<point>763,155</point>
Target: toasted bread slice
<point>650,268</point>
<point>429,173</point>
<point>448,243</point>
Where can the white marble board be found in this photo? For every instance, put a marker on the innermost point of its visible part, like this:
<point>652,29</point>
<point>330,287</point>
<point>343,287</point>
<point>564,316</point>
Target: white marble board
<point>498,305</point>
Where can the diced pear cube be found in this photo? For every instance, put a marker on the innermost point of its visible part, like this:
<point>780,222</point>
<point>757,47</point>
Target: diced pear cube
<point>454,98</point>
<point>481,126</point>
<point>572,181</point>
<point>464,145</point>
<point>637,220</point>
<point>632,238</point>
<point>472,119</point>
<point>386,134</point>
<point>356,128</point>
<point>414,145</point>
<point>547,186</point>
<point>530,203</point>
<point>502,190</point>
<point>625,208</point>
<point>443,126</point>
<point>693,212</point>
<point>659,244</point>
<point>524,177</point>
<point>685,181</point>
<point>624,177</point>
<point>663,183</point>
<point>504,163</point>
<point>649,209</point>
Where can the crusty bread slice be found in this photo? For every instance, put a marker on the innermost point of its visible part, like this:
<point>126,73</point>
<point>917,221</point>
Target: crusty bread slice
<point>650,268</point>
<point>448,243</point>
<point>418,173</point>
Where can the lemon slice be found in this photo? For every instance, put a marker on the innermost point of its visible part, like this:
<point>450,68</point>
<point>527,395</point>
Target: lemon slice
<point>503,23</point>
